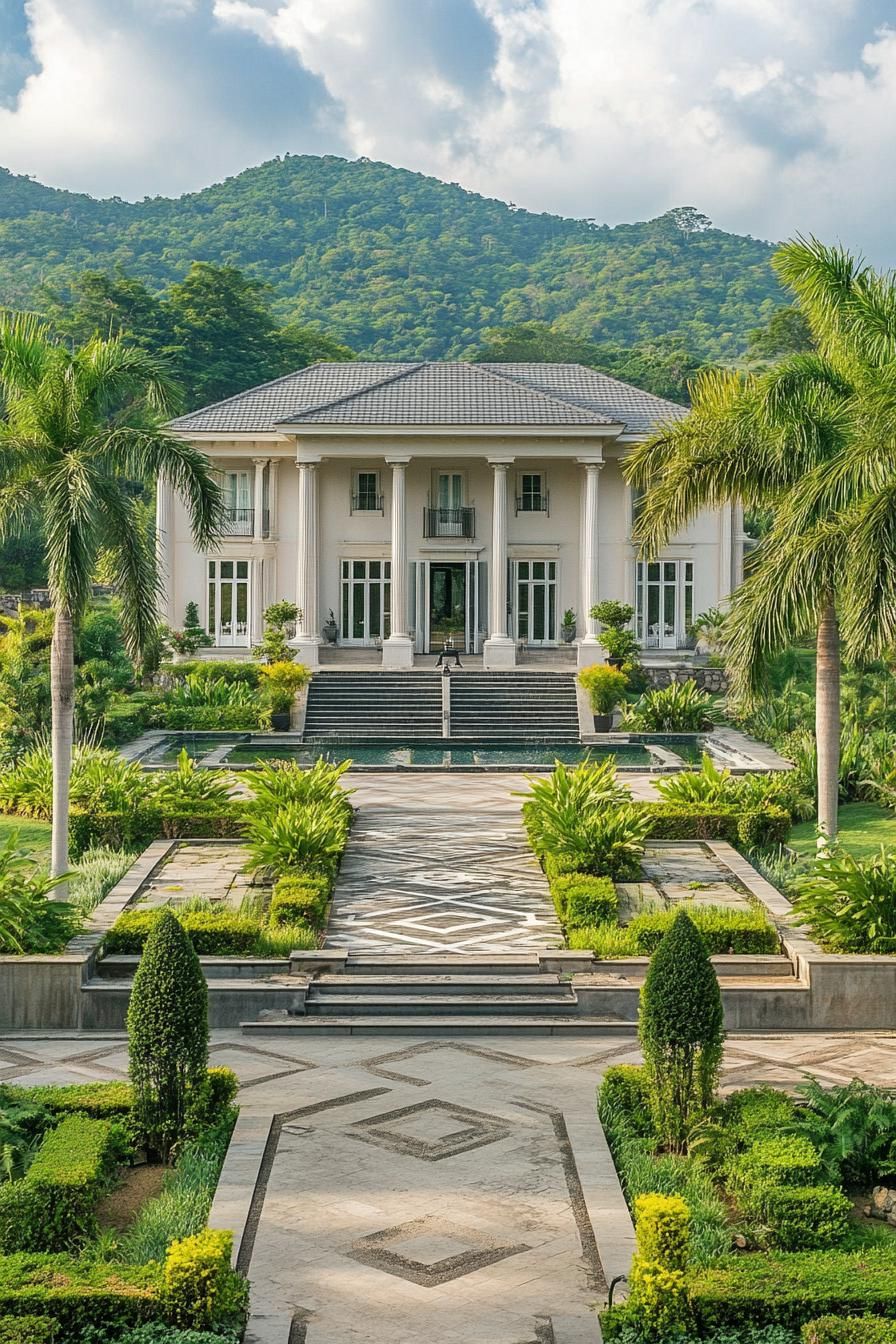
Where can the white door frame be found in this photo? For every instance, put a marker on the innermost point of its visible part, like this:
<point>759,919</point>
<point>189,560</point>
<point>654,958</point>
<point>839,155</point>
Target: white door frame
<point>370,638</point>
<point>239,635</point>
<point>663,634</point>
<point>471,604</point>
<point>532,583</point>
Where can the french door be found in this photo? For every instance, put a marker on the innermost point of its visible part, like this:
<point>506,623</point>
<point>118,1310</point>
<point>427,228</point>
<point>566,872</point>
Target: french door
<point>535,594</point>
<point>366,601</point>
<point>228,610</point>
<point>239,503</point>
<point>664,603</point>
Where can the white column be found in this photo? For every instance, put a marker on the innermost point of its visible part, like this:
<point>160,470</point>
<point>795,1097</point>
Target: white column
<point>740,545</point>
<point>726,552</point>
<point>307,639</point>
<point>273,519</point>
<point>258,498</point>
<point>499,650</point>
<point>256,628</point>
<point>398,649</point>
<point>590,651</point>
<point>165,549</point>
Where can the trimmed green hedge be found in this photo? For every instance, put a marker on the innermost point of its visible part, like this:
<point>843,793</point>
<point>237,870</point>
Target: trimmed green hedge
<point>793,1288</point>
<point>27,1330</point>
<point>145,821</point>
<point>52,1207</point>
<point>782,1159</point>
<point>300,898</point>
<point>762,828</point>
<point>76,1292</point>
<point>581,899</point>
<point>213,933</point>
<point>849,1330</point>
<point>107,1101</point>
<point>207,718</point>
<point>804,1217</point>
<point>742,932</point>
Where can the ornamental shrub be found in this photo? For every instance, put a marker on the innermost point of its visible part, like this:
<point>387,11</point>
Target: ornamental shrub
<point>273,784</point>
<point>52,1207</point>
<point>310,836</point>
<point>783,1159</point>
<point>167,1034</point>
<point>27,1330</point>
<point>298,898</point>
<point>804,1217</point>
<point>658,1297</point>
<point>554,803</point>
<point>187,786</point>
<point>580,899</point>
<point>199,1289</point>
<point>213,933</point>
<point>102,1101</point>
<point>606,686</point>
<point>77,1292</point>
<point>678,708</point>
<point>680,1027</point>
<point>848,1330</point>
<point>721,929</point>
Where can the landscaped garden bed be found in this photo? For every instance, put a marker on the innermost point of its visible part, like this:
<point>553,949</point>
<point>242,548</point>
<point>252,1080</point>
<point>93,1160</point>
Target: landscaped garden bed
<point>751,1209</point>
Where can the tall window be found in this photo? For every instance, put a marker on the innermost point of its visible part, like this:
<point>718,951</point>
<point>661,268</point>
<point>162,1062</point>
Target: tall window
<point>366,601</point>
<point>536,601</point>
<point>238,502</point>
<point>664,603</point>
<point>366,497</point>
<point>450,490</point>
<point>533,497</point>
<point>227,619</point>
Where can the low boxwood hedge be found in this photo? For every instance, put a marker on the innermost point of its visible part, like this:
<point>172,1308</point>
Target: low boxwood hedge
<point>793,1288</point>
<point>763,827</point>
<point>213,933</point>
<point>849,1330</point>
<point>580,899</point>
<point>804,1217</point>
<point>103,1101</point>
<point>28,1330</point>
<point>78,1292</point>
<point>723,930</point>
<point>299,898</point>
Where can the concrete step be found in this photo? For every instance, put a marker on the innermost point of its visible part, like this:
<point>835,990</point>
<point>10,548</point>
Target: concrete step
<point>439,1005</point>
<point>493,963</point>
<point>213,968</point>
<point>742,968</point>
<point>444,985</point>
<point>104,1003</point>
<point>409,1024</point>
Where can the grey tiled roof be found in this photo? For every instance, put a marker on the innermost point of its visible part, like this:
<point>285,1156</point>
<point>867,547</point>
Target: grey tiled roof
<point>639,411</point>
<point>434,393</point>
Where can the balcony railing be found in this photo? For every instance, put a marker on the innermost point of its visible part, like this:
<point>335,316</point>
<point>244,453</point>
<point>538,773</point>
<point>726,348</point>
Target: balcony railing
<point>367,503</point>
<point>449,523</point>
<point>534,503</point>
<point>241,523</point>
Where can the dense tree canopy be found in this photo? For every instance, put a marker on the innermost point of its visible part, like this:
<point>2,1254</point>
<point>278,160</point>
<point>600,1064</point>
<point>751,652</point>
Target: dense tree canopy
<point>395,264</point>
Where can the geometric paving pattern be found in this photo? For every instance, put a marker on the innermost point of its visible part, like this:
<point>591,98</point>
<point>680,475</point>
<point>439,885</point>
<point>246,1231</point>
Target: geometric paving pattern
<point>495,1242</point>
<point>440,881</point>
<point>432,1130</point>
<point>430,1251</point>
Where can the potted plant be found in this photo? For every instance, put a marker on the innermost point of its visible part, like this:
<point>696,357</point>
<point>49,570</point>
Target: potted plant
<point>616,637</point>
<point>279,626</point>
<point>568,626</point>
<point>280,681</point>
<point>331,629</point>
<point>183,643</point>
<point>606,687</point>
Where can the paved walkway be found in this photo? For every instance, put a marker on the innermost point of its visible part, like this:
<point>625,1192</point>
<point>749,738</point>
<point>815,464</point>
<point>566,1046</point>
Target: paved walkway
<point>411,1190</point>
<point>440,865</point>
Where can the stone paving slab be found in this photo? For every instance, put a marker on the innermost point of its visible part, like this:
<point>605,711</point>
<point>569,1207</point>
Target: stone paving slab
<point>447,1190</point>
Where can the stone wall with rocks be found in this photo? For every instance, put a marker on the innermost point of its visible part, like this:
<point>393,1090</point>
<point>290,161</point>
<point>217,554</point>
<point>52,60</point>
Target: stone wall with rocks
<point>712,679</point>
<point>883,1204</point>
<point>39,599</point>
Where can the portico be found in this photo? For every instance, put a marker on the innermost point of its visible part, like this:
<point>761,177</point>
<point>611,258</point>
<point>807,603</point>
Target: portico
<point>409,506</point>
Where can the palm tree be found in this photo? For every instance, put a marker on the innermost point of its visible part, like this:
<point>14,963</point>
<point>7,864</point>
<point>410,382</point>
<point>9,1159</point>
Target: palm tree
<point>806,439</point>
<point>76,429</point>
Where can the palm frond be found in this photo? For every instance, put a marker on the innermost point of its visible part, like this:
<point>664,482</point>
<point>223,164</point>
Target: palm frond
<point>109,371</point>
<point>155,453</point>
<point>134,574</point>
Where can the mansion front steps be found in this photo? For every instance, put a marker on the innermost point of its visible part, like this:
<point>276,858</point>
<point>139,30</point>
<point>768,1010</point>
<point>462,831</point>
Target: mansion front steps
<point>419,706</point>
<point>550,992</point>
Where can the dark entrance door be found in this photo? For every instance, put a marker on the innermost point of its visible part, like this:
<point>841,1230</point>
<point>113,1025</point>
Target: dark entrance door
<point>447,604</point>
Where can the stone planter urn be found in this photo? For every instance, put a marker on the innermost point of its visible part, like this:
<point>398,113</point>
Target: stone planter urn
<point>330,630</point>
<point>568,627</point>
<point>280,722</point>
<point>603,723</point>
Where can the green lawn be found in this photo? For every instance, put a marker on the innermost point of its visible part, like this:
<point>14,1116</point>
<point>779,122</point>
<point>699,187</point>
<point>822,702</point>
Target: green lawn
<point>33,835</point>
<point>864,827</point>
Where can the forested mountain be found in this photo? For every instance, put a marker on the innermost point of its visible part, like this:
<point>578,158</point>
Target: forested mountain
<point>392,263</point>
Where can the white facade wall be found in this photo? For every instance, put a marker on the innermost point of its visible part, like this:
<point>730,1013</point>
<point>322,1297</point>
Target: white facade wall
<point>555,536</point>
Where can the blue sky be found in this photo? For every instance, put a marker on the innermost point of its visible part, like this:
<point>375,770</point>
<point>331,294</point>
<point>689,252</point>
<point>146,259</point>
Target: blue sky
<point>771,116</point>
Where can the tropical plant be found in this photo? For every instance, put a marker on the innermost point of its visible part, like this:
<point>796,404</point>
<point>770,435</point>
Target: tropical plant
<point>30,921</point>
<point>607,842</point>
<point>849,904</point>
<point>308,836</point>
<point>680,1027</point>
<point>187,786</point>
<point>167,1035</point>
<point>853,1128</point>
<point>95,874</point>
<point>555,801</point>
<point>709,784</point>
<point>806,439</point>
<point>77,427</point>
<point>101,781</point>
<point>275,783</point>
<point>680,707</point>
<point>196,690</point>
<point>606,686</point>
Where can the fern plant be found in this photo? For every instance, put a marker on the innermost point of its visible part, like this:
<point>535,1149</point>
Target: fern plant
<point>853,1128</point>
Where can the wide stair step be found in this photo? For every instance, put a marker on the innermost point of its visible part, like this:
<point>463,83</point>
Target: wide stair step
<point>409,1024</point>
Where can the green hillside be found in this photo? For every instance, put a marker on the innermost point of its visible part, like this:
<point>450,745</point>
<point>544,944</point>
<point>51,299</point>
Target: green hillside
<point>395,263</point>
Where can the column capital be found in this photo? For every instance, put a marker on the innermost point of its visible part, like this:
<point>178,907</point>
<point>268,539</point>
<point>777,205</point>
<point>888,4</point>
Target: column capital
<point>402,461</point>
<point>595,462</point>
<point>260,461</point>
<point>308,463</point>
<point>502,462</point>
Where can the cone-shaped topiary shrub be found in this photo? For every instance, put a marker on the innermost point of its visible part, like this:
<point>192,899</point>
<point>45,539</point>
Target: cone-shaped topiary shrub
<point>681,1030</point>
<point>167,1035</point>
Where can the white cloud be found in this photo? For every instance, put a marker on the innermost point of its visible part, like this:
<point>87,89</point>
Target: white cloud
<point>616,109</point>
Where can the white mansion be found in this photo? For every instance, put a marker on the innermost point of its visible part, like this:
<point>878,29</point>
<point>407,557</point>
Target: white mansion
<point>410,503</point>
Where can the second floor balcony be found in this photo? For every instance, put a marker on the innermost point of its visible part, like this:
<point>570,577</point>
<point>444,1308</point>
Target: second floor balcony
<point>240,522</point>
<point>449,523</point>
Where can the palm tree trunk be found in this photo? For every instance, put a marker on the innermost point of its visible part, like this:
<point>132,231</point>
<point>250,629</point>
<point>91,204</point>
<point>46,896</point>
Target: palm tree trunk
<point>827,719</point>
<point>62,699</point>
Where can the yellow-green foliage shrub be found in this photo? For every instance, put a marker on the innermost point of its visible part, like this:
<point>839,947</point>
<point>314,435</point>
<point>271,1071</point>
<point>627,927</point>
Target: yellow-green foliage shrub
<point>199,1289</point>
<point>658,1299</point>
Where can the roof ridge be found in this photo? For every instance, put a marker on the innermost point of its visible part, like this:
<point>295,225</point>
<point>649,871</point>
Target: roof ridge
<point>358,392</point>
<point>272,382</point>
<point>537,392</point>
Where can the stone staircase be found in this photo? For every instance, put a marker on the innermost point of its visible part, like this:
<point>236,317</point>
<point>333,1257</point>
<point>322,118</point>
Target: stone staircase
<point>405,706</point>
<point>514,706</point>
